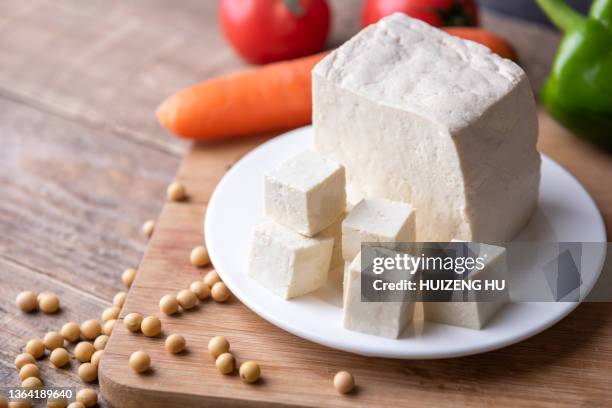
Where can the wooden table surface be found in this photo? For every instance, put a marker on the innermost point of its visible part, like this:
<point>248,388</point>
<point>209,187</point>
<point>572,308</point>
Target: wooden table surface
<point>82,160</point>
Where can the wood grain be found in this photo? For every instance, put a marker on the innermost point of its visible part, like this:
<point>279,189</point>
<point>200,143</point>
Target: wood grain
<point>112,64</point>
<point>73,200</point>
<point>541,371</point>
<point>74,208</point>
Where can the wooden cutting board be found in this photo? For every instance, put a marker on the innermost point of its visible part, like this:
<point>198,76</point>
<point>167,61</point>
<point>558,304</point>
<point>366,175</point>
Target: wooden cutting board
<point>568,365</point>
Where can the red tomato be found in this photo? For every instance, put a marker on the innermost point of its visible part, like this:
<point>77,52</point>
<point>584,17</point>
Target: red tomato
<point>263,31</point>
<point>438,13</point>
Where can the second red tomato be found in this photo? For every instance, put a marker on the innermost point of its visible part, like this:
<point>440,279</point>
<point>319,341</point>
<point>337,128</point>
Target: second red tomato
<point>438,13</point>
<point>263,31</point>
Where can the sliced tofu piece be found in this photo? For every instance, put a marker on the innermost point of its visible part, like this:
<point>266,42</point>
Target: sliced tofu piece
<point>385,319</point>
<point>376,220</point>
<point>306,193</point>
<point>420,116</point>
<point>287,263</point>
<point>474,315</point>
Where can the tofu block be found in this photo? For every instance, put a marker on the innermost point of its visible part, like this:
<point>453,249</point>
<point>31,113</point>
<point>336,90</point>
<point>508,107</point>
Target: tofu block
<point>287,263</point>
<point>423,117</point>
<point>345,277</point>
<point>385,319</point>
<point>306,193</point>
<point>335,231</point>
<point>376,220</point>
<point>474,315</point>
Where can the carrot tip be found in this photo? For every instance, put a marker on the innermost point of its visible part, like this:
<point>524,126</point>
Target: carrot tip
<point>166,114</point>
<point>162,113</point>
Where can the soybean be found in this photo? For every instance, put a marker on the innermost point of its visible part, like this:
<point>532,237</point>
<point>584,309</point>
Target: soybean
<point>151,326</point>
<point>201,290</point>
<point>111,313</point>
<point>31,382</point>
<point>147,228</point>
<point>35,347</point>
<point>91,329</point>
<point>29,370</point>
<point>88,372</point>
<point>225,363</point>
<point>187,299</point>
<point>168,304</point>
<point>218,345</point>
<point>83,351</point>
<point>96,357</point>
<point>108,327</point>
<point>140,361</point>
<point>220,292</point>
<point>87,397</point>
<point>175,343</point>
<point>53,340</point>
<point>119,299</point>
<point>100,342</point>
<point>26,301</point>
<point>128,277</point>
<point>211,278</point>
<point>71,332</point>
<point>344,382</point>
<point>132,322</point>
<point>175,191</point>
<point>48,303</point>
<point>250,371</point>
<point>199,256</point>
<point>59,357</point>
<point>23,359</point>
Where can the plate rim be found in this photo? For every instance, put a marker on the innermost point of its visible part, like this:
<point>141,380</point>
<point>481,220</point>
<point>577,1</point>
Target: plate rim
<point>564,308</point>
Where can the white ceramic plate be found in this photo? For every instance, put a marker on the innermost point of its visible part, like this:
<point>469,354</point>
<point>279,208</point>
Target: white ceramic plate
<point>565,213</point>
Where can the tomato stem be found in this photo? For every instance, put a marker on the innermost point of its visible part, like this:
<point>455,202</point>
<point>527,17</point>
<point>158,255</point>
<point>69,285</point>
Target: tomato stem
<point>295,7</point>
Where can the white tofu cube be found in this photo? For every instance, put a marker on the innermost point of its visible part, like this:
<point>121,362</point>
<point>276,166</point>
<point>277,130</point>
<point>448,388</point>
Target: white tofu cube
<point>335,231</point>
<point>305,193</point>
<point>386,319</point>
<point>287,263</point>
<point>376,220</point>
<point>474,315</point>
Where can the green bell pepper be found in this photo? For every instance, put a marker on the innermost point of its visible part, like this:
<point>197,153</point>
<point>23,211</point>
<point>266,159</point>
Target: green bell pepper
<point>578,92</point>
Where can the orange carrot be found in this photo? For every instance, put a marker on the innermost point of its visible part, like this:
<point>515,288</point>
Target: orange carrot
<point>497,44</point>
<point>273,97</point>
